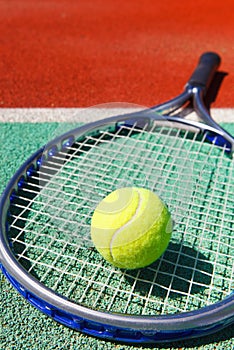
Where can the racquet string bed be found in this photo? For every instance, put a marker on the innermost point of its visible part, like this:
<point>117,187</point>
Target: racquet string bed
<point>50,221</point>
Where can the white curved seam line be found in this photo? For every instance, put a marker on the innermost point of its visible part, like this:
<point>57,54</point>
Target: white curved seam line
<point>126,224</point>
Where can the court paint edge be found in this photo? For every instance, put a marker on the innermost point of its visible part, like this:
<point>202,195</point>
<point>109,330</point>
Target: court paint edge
<point>74,115</point>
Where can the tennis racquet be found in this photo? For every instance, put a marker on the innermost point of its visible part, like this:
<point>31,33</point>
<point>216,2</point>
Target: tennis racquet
<point>46,209</point>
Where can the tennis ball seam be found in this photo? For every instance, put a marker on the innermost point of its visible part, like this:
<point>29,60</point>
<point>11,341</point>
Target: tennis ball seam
<point>119,230</point>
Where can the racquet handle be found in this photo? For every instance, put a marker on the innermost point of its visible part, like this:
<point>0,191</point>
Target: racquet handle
<point>205,70</point>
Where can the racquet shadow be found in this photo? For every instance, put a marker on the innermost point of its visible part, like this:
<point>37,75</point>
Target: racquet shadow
<point>180,272</point>
<point>210,96</point>
<point>214,88</point>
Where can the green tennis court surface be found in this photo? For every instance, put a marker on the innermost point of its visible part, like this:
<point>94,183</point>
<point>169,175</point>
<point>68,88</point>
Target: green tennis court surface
<point>23,327</point>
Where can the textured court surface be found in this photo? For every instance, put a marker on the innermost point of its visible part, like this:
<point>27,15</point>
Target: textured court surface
<point>78,54</point>
<point>18,317</point>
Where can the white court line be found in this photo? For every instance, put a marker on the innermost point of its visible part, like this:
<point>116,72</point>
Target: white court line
<point>74,115</point>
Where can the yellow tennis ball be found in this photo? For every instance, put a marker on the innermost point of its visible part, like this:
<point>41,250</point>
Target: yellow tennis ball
<point>131,227</point>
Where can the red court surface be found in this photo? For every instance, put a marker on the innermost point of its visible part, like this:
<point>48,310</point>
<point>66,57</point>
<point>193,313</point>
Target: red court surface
<point>81,53</point>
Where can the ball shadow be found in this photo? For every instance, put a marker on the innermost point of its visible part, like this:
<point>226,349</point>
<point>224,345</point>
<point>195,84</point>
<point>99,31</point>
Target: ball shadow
<point>181,270</point>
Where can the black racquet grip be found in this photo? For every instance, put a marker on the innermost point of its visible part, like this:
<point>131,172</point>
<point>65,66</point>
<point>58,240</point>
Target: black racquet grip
<point>205,70</point>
